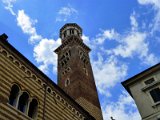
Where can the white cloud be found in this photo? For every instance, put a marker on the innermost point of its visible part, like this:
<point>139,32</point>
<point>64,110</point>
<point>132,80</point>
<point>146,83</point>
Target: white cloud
<point>123,109</point>
<point>108,72</point>
<point>107,34</point>
<point>66,13</point>
<point>130,44</point>
<point>88,42</point>
<point>26,24</point>
<point>109,69</point>
<point>86,39</point>
<point>133,20</point>
<point>156,6</point>
<point>133,43</point>
<point>44,54</point>
<point>9,5</point>
<point>43,47</point>
<point>152,2</point>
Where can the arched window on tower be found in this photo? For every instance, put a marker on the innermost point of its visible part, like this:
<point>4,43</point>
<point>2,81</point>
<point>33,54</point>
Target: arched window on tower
<point>75,32</point>
<point>13,95</point>
<point>85,71</point>
<point>65,34</point>
<point>33,107</point>
<point>71,31</point>
<point>67,82</point>
<point>23,102</point>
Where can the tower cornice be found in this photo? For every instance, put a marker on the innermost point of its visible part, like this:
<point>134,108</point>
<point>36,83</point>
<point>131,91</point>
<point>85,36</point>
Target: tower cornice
<point>70,39</point>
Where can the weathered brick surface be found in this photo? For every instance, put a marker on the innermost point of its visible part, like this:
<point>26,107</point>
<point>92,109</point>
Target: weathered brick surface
<point>81,85</point>
<point>94,110</point>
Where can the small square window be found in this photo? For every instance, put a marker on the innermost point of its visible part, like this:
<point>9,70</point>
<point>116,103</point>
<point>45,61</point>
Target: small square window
<point>155,94</point>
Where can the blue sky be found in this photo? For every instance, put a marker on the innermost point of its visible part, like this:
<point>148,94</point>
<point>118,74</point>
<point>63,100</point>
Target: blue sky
<point>123,36</point>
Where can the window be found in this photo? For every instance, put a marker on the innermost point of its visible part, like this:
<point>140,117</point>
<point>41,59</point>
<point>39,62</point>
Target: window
<point>86,72</point>
<point>13,95</point>
<point>66,70</point>
<point>64,34</point>
<point>67,82</point>
<point>68,53</point>
<point>155,94</point>
<point>33,109</point>
<point>147,82</point>
<point>158,117</point>
<point>49,90</point>
<point>15,99</point>
<point>23,102</point>
<point>71,31</point>
<point>65,58</point>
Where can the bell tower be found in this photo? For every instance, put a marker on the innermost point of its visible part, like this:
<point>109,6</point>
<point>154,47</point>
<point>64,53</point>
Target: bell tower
<point>75,75</point>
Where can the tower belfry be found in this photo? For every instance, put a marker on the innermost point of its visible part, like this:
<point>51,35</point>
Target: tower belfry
<point>75,75</point>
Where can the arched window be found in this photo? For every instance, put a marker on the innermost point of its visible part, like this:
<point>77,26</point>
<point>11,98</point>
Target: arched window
<point>64,34</point>
<point>67,82</point>
<point>85,71</point>
<point>49,90</point>
<point>23,102</point>
<point>33,109</point>
<point>71,31</point>
<point>13,95</point>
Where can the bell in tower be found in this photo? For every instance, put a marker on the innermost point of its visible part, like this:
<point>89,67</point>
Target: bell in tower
<point>75,75</point>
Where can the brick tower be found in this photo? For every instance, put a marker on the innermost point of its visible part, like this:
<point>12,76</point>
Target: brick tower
<point>75,74</point>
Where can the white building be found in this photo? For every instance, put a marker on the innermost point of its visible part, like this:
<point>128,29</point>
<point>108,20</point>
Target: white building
<point>145,90</point>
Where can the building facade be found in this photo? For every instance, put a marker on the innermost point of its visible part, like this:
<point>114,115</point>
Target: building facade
<point>26,93</point>
<point>145,90</point>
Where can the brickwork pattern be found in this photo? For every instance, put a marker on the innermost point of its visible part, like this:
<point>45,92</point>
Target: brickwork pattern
<point>95,111</point>
<point>80,75</point>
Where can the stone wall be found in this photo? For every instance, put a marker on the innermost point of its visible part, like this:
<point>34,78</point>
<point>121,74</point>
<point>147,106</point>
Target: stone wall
<point>15,69</point>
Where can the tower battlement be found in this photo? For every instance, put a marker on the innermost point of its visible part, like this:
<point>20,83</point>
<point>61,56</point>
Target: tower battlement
<point>70,29</point>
